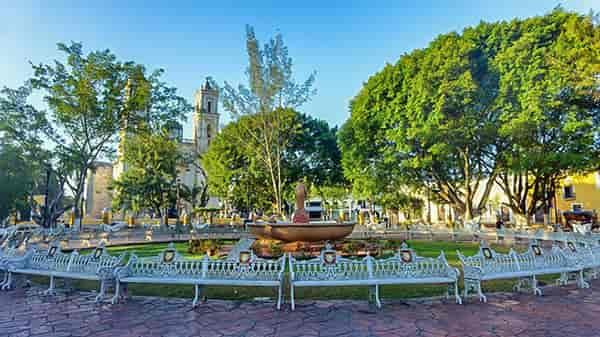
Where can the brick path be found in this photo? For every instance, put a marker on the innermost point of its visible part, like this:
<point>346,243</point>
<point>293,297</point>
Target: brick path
<point>561,312</point>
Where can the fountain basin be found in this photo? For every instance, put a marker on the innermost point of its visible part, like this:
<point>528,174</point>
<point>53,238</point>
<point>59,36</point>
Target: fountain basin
<point>308,232</point>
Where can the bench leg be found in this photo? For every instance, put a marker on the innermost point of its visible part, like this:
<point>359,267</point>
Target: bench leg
<point>196,295</point>
<point>534,286</point>
<point>8,282</point>
<point>456,294</point>
<point>563,279</point>
<point>521,282</point>
<point>50,290</point>
<point>374,293</point>
<point>68,284</point>
<point>594,273</point>
<point>476,285</point>
<point>279,296</point>
<point>581,283</point>
<point>102,291</point>
<point>293,303</point>
<point>115,298</point>
<point>4,279</point>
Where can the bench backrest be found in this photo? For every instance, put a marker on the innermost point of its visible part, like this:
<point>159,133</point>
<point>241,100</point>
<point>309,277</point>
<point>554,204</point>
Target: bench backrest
<point>490,261</point>
<point>404,264</point>
<point>407,264</point>
<point>329,266</point>
<point>90,263</point>
<point>537,257</point>
<point>8,252</point>
<point>169,263</point>
<point>49,259</point>
<point>245,266</point>
<point>577,253</point>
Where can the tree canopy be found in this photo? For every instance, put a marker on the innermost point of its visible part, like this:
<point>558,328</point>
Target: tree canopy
<point>149,182</point>
<point>507,103</point>
<point>238,176</point>
<point>271,93</point>
<point>90,98</point>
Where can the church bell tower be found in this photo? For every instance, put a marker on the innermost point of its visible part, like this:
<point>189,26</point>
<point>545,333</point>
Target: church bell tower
<point>206,115</point>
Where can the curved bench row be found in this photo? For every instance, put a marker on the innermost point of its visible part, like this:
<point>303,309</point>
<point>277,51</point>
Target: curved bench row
<point>569,257</point>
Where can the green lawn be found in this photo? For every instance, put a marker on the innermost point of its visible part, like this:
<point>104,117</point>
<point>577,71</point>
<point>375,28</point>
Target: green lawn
<point>423,248</point>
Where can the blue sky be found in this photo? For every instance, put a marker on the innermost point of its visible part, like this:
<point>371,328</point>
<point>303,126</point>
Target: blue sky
<point>344,41</point>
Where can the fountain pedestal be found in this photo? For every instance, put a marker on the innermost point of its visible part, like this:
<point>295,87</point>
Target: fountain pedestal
<point>301,229</point>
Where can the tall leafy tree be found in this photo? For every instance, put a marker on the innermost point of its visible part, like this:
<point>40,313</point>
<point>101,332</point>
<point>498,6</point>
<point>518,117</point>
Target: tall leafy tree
<point>491,105</point>
<point>313,153</point>
<point>239,177</point>
<point>91,97</point>
<point>27,160</point>
<point>548,122</point>
<point>269,96</point>
<point>435,123</point>
<point>234,175</point>
<point>16,180</point>
<point>150,179</point>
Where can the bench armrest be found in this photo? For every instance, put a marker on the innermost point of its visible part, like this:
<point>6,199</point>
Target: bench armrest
<point>19,262</point>
<point>106,273</point>
<point>456,273</point>
<point>472,272</point>
<point>121,272</point>
<point>291,266</point>
<point>280,276</point>
<point>124,271</point>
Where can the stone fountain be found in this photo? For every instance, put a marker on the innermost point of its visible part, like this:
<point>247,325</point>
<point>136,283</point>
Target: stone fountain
<point>301,229</point>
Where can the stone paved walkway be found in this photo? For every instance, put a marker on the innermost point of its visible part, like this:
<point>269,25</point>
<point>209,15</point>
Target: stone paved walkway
<point>561,312</point>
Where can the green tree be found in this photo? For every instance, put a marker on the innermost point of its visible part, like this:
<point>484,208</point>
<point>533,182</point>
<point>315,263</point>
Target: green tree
<point>27,161</point>
<point>16,180</point>
<point>490,105</point>
<point>90,99</point>
<point>313,153</point>
<point>234,174</point>
<point>549,125</point>
<point>149,182</point>
<point>269,97</point>
<point>238,176</point>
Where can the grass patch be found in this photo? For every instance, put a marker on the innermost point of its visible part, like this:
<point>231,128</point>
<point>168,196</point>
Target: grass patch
<point>422,248</point>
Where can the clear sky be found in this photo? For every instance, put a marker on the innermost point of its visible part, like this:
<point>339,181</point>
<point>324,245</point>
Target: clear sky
<point>344,41</point>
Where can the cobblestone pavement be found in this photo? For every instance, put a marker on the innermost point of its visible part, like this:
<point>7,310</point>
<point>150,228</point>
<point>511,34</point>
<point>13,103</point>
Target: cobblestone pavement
<point>563,312</point>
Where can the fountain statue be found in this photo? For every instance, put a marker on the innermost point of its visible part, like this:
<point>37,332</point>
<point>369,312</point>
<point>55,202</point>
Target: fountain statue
<point>301,228</point>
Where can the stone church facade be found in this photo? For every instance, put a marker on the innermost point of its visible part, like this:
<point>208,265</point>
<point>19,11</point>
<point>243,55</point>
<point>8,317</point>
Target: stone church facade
<point>205,127</point>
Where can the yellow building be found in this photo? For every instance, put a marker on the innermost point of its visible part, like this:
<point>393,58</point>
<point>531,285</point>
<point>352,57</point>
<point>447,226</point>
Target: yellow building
<point>579,193</point>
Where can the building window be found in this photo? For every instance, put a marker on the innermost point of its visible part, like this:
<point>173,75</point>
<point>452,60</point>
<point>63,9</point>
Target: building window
<point>208,106</point>
<point>577,207</point>
<point>568,192</point>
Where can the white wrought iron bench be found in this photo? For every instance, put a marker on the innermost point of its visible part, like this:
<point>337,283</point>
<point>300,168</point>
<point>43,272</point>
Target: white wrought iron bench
<point>6,233</point>
<point>405,267</point>
<point>8,255</point>
<point>169,267</point>
<point>53,263</point>
<point>488,264</point>
<point>585,253</point>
